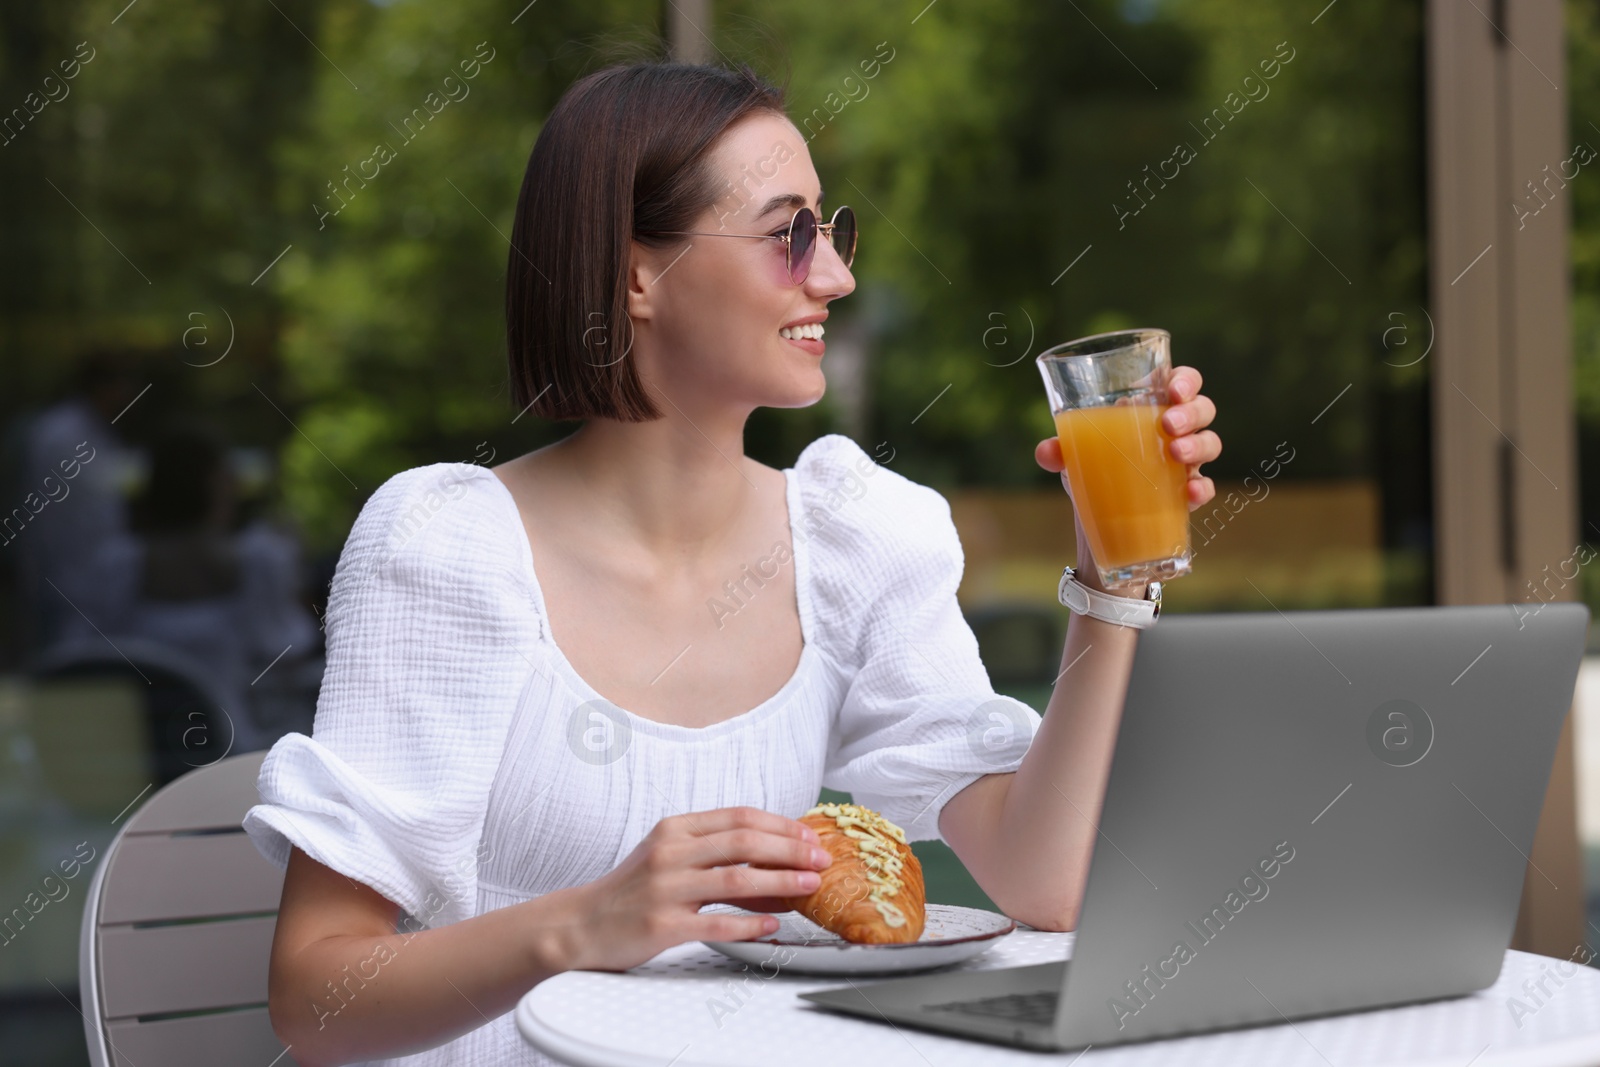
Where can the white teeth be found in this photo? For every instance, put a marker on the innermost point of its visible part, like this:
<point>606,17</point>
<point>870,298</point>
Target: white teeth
<point>812,330</point>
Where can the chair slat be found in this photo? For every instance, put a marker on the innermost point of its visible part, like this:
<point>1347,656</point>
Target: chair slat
<point>212,797</point>
<point>156,877</point>
<point>191,967</point>
<point>241,1037</point>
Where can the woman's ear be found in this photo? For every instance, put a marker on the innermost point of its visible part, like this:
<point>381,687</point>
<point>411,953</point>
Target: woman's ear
<point>642,273</point>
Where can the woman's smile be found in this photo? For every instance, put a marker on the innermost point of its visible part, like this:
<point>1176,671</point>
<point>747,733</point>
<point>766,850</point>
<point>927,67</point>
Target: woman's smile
<point>806,333</point>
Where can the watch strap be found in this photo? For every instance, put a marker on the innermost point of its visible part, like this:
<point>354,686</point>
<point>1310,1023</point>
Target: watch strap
<point>1132,612</point>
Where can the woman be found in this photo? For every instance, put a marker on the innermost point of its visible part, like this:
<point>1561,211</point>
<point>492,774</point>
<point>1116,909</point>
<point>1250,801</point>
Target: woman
<point>472,766</point>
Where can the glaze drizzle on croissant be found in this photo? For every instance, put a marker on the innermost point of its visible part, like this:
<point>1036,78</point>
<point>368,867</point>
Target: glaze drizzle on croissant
<point>875,837</point>
<point>872,893</point>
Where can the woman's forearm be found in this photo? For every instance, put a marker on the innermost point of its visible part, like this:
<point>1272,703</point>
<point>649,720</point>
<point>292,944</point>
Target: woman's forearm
<point>343,985</point>
<point>1026,836</point>
<point>1049,813</point>
<point>355,997</point>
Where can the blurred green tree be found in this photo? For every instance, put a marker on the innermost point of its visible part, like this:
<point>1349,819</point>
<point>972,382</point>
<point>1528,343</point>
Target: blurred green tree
<point>992,159</point>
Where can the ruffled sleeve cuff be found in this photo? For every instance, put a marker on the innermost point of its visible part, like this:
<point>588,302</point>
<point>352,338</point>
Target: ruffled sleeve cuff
<point>314,801</point>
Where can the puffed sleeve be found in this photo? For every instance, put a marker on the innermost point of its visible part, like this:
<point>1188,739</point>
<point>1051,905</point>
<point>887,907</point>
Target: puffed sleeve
<point>920,719</point>
<point>431,635</point>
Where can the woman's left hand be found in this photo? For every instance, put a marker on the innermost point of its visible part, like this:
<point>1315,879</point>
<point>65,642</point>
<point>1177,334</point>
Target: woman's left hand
<point>1191,443</point>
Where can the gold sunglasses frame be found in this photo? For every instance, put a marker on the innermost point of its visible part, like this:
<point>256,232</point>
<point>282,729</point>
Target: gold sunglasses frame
<point>824,229</point>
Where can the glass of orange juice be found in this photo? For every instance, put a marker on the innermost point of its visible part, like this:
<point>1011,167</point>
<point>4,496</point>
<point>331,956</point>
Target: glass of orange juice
<point>1107,393</point>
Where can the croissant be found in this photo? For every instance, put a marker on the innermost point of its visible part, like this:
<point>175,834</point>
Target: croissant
<point>872,893</point>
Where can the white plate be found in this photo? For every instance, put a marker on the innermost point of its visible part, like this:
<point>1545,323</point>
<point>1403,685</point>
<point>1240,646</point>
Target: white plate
<point>800,946</point>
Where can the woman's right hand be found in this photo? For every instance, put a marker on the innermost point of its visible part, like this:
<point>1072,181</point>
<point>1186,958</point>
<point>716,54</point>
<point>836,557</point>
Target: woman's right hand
<point>651,901</point>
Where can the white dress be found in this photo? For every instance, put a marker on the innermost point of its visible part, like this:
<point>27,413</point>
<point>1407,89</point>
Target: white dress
<point>459,764</point>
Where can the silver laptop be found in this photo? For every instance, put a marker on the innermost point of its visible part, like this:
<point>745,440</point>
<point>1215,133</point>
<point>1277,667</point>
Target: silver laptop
<point>1307,813</point>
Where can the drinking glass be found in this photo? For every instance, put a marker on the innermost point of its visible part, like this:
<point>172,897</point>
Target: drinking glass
<point>1107,394</point>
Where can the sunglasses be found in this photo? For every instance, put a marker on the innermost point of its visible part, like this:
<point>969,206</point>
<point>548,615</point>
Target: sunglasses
<point>801,239</point>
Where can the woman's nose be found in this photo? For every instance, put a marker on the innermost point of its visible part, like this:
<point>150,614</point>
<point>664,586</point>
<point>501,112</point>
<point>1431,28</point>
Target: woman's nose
<point>829,277</point>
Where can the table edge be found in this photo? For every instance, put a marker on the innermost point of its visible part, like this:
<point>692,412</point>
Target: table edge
<point>583,1054</point>
<point>1580,1051</point>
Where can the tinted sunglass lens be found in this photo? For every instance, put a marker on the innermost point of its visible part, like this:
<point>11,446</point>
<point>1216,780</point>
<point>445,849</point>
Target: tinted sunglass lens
<point>844,234</point>
<point>802,244</point>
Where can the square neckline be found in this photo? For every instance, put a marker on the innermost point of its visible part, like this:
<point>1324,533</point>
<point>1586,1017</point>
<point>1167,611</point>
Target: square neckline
<point>799,554</point>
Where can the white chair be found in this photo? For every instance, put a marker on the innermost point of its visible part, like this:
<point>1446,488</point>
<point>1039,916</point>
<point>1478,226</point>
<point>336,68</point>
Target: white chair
<point>177,930</point>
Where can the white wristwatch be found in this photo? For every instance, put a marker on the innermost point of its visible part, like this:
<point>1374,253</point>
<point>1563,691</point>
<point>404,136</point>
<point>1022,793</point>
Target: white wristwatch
<point>1119,610</point>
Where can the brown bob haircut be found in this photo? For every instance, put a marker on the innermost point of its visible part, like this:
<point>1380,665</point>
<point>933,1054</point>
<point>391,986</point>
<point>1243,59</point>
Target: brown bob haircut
<point>622,156</point>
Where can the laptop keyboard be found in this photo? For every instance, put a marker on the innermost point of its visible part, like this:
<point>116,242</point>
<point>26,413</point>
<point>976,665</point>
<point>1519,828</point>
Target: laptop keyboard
<point>1039,1008</point>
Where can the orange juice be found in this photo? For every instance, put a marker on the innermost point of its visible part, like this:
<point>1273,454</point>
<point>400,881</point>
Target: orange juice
<point>1126,487</point>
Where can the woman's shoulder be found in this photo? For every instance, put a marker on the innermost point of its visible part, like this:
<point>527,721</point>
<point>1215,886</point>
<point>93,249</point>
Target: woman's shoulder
<point>435,507</point>
<point>871,531</point>
<point>446,522</point>
<point>848,496</point>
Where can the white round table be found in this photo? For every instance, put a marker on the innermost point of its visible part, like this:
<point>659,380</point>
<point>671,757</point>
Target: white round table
<point>692,1007</point>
